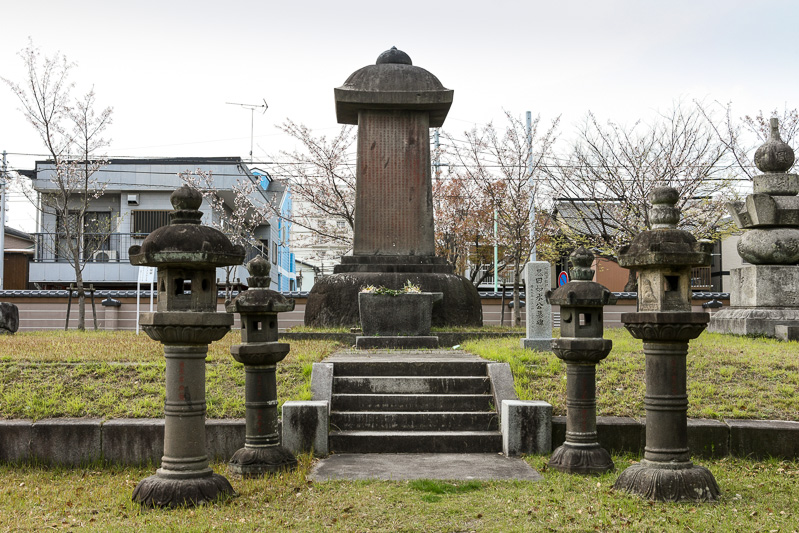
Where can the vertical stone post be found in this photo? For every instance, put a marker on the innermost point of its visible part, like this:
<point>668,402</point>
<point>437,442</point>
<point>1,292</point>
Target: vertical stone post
<point>538,309</point>
<point>260,352</point>
<point>663,258</point>
<point>581,347</point>
<point>186,254</point>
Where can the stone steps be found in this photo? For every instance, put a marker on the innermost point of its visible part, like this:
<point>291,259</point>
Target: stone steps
<point>415,421</point>
<point>411,385</point>
<point>407,404</point>
<point>415,441</point>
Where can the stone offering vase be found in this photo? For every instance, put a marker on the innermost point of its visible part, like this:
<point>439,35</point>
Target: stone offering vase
<point>407,314</point>
<point>187,255</point>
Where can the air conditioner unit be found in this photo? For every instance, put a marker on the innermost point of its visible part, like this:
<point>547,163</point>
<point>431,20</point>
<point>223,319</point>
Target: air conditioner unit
<point>104,256</point>
<point>133,199</point>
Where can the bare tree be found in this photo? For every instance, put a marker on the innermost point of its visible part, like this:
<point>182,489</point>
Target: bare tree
<point>607,178</point>
<point>507,168</point>
<point>322,181</point>
<point>238,220</point>
<point>72,133</point>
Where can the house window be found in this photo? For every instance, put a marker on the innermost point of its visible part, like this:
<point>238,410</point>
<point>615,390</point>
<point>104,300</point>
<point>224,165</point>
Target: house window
<point>341,224</point>
<point>146,222</point>
<point>93,235</point>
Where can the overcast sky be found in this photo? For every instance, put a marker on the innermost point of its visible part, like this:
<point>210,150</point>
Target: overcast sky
<point>169,67</point>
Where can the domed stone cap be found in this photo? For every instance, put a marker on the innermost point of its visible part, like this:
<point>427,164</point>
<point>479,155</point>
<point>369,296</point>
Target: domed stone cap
<point>393,83</point>
<point>775,155</point>
<point>664,245</point>
<point>395,56</point>
<point>185,242</point>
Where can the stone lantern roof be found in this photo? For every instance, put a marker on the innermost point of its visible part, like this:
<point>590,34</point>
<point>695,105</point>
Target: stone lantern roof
<point>581,290</point>
<point>392,82</point>
<point>259,299</point>
<point>185,242</point>
<point>664,245</point>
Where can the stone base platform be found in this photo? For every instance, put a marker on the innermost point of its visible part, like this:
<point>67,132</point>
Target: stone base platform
<point>333,301</point>
<point>404,343</point>
<point>753,320</point>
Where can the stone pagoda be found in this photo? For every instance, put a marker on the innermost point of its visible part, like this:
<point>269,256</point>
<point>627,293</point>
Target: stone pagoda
<point>394,104</point>
<point>764,294</point>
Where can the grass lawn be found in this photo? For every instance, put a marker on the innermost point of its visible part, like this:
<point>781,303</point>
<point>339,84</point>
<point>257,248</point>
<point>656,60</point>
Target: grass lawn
<point>120,374</point>
<point>50,374</point>
<point>757,496</point>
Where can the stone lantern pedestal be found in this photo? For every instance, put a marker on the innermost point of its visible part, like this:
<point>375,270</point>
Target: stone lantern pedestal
<point>186,254</point>
<point>581,347</point>
<point>663,258</point>
<point>260,352</point>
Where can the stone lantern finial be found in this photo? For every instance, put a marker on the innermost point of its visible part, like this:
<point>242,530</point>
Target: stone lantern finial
<point>664,213</point>
<point>259,269</point>
<point>398,57</point>
<point>775,155</point>
<point>581,269</point>
<point>187,202</point>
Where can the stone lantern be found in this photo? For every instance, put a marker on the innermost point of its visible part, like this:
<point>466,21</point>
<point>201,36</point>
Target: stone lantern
<point>663,258</point>
<point>187,255</point>
<point>260,352</point>
<point>581,346</point>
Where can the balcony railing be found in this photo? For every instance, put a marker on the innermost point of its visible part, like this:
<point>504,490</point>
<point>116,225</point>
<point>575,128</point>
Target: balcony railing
<point>98,247</point>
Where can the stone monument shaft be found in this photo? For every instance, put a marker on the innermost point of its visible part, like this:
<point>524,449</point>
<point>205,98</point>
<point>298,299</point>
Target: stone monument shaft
<point>393,199</point>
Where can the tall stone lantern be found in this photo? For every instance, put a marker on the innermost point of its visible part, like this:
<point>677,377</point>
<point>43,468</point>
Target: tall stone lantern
<point>664,258</point>
<point>187,255</point>
<point>260,352</point>
<point>581,347</point>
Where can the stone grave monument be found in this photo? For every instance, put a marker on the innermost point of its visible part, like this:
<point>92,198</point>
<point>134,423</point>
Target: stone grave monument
<point>663,258</point>
<point>394,103</point>
<point>260,352</point>
<point>581,347</point>
<point>186,322</point>
<point>764,294</point>
<point>538,312</point>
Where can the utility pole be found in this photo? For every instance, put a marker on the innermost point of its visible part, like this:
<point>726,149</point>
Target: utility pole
<point>532,185</point>
<point>252,108</point>
<point>3,190</point>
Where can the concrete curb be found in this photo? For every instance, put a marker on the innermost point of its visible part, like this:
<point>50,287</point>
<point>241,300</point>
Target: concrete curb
<point>77,441</point>
<point>706,438</point>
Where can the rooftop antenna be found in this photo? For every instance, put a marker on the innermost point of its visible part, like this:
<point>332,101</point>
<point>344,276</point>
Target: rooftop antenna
<point>252,108</point>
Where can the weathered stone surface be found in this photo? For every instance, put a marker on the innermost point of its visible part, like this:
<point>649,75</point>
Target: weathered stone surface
<point>333,301</point>
<point>133,441</point>
<point>526,427</point>
<point>775,286</point>
<point>753,320</point>
<point>66,441</point>
<point>773,246</point>
<point>776,184</point>
<point>161,491</point>
<point>9,318</point>
<point>708,438</point>
<point>764,438</point>
<point>403,314</point>
<point>411,342</point>
<point>322,382</point>
<point>669,482</point>
<point>305,427</point>
<point>501,379</point>
<point>787,333</point>
<point>223,437</point>
<point>775,155</point>
<point>537,277</point>
<point>15,440</point>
